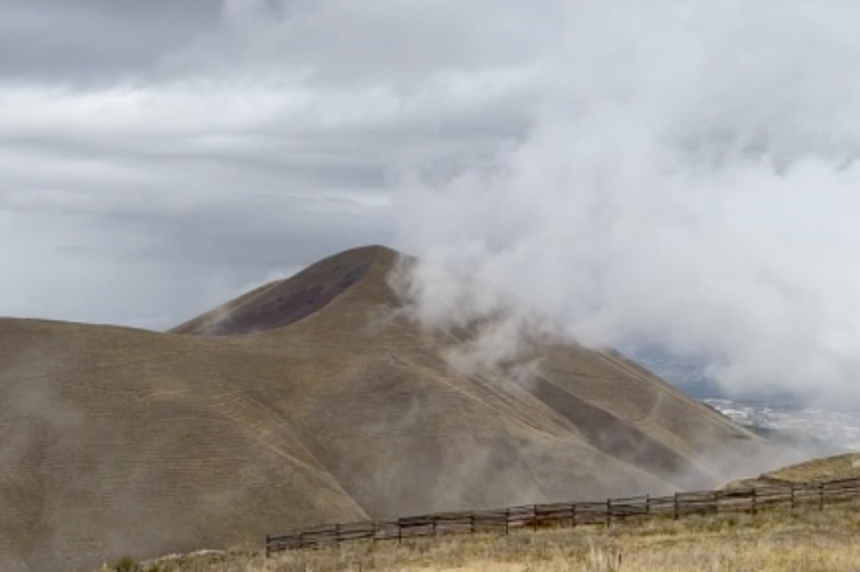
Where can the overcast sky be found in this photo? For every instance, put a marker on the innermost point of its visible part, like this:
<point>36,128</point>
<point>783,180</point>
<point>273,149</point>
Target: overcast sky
<point>678,171</point>
<point>159,157</point>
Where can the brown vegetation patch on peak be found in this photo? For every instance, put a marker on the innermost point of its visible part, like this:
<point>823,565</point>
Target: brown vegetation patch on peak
<point>287,301</point>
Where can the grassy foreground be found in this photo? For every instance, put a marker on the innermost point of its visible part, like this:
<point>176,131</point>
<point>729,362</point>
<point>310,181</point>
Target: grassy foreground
<point>784,541</point>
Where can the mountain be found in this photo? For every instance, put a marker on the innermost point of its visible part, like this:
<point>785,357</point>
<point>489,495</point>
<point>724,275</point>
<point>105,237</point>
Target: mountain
<point>309,401</point>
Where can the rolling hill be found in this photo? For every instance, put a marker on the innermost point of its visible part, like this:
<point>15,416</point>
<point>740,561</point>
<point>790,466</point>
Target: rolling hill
<point>834,467</point>
<point>308,401</point>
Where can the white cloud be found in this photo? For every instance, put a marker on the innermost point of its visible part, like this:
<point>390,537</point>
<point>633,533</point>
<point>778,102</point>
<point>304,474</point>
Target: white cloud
<point>690,181</point>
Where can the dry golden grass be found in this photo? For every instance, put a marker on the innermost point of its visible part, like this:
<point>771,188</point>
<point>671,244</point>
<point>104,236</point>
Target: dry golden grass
<point>781,540</point>
<point>845,466</point>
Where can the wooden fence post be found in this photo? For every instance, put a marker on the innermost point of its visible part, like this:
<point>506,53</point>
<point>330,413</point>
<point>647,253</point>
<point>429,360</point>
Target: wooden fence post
<point>399,532</point>
<point>472,522</point>
<point>435,520</point>
<point>301,540</point>
<point>534,518</point>
<point>792,496</point>
<point>267,545</point>
<point>820,496</point>
<point>754,507</point>
<point>337,534</point>
<point>648,505</point>
<point>573,515</point>
<point>676,506</point>
<point>507,521</point>
<point>608,513</point>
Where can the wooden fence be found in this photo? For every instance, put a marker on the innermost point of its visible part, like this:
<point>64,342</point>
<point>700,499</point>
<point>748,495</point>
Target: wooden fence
<point>749,500</point>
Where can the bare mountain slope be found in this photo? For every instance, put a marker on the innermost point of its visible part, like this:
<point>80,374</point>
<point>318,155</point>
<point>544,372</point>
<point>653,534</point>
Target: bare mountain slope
<point>117,441</point>
<point>283,302</point>
<point>313,403</point>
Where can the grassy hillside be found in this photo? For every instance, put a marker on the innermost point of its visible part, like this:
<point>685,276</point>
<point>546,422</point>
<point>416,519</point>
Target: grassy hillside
<point>805,536</point>
<point>310,401</point>
<point>844,466</point>
<point>778,541</point>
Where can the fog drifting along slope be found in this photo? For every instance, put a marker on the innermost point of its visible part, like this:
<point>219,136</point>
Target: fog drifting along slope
<point>120,441</point>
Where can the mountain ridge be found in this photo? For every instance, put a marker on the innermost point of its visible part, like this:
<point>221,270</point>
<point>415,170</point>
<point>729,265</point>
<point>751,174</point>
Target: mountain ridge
<point>312,400</point>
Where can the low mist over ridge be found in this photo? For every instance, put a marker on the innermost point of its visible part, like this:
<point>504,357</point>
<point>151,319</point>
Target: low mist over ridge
<point>127,441</point>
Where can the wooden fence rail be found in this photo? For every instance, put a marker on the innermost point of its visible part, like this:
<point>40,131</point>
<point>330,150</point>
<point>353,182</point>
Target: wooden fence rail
<point>750,500</point>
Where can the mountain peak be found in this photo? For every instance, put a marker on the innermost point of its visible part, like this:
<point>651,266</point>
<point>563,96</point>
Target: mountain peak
<point>283,302</point>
